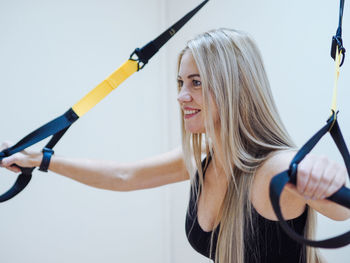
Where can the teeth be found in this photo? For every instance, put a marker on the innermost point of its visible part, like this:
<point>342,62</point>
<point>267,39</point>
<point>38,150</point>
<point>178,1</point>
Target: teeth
<point>190,111</point>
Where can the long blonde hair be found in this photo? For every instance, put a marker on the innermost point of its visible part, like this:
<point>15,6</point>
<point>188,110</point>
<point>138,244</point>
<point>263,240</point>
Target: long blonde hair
<point>232,72</point>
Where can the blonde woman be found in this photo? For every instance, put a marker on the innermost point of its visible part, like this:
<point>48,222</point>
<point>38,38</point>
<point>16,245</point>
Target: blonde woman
<point>229,114</point>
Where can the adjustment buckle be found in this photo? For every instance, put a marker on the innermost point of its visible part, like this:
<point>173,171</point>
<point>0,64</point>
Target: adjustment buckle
<point>47,153</point>
<point>144,54</point>
<point>135,56</point>
<point>337,41</point>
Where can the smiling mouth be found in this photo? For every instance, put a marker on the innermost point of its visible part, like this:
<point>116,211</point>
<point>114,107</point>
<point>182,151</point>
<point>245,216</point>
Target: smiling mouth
<point>190,113</point>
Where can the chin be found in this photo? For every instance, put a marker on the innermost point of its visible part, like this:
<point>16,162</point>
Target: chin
<point>194,129</point>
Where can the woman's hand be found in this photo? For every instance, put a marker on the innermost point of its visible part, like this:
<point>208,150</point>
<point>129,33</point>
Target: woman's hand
<point>23,159</point>
<point>318,177</point>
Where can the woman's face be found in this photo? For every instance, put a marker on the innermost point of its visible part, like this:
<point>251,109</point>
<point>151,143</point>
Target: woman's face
<point>190,96</point>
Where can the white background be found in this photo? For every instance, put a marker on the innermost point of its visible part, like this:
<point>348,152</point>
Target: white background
<point>54,52</point>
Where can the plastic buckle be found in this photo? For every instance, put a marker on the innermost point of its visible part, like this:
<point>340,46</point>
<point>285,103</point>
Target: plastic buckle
<point>137,53</point>
<point>333,119</point>
<point>337,41</point>
<point>144,54</point>
<point>47,153</point>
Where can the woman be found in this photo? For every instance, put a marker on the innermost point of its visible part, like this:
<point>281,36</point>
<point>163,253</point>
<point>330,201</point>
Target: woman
<point>227,106</point>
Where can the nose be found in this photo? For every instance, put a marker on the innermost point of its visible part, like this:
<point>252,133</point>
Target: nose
<point>184,96</point>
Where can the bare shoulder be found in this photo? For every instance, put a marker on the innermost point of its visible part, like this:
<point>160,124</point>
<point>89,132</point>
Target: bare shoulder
<point>292,205</point>
<point>277,162</point>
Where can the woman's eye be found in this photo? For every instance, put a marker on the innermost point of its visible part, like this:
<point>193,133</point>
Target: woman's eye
<point>196,83</point>
<point>180,83</point>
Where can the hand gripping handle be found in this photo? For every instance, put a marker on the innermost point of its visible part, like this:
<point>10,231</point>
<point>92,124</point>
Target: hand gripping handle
<point>22,181</point>
<point>342,196</point>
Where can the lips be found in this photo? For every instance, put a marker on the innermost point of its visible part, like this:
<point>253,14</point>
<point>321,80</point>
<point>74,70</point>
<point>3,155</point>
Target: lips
<point>190,112</point>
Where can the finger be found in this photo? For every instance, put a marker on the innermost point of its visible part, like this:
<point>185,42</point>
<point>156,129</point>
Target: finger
<point>316,175</point>
<point>9,161</point>
<point>14,169</point>
<point>303,174</point>
<point>326,180</point>
<point>8,164</point>
<point>4,145</point>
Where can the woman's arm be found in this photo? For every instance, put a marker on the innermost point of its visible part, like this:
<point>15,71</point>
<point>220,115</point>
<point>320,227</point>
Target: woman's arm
<point>317,178</point>
<point>156,171</point>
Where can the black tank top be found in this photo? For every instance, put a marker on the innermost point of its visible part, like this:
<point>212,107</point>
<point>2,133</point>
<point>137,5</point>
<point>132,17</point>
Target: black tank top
<point>269,244</point>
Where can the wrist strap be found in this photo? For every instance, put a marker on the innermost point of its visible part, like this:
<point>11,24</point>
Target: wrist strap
<point>47,153</point>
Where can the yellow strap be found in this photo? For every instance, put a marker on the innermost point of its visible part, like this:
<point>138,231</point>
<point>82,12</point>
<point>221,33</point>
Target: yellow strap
<point>335,89</point>
<point>105,87</point>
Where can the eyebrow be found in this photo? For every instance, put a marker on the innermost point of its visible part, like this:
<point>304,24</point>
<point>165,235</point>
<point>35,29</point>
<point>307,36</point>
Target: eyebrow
<point>190,76</point>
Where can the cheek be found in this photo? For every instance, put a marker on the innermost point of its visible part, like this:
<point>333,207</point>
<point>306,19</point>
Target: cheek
<point>198,98</point>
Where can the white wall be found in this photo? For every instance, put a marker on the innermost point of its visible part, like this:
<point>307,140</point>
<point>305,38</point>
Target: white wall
<point>294,38</point>
<point>53,52</point>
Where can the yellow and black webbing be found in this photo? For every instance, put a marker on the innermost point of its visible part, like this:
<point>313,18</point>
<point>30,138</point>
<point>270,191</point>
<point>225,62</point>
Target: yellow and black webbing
<point>57,127</point>
<point>342,196</point>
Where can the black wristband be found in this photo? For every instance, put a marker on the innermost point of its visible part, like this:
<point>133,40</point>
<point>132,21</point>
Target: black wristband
<point>47,153</point>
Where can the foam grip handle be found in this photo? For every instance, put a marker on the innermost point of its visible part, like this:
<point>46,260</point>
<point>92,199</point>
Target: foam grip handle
<point>342,197</point>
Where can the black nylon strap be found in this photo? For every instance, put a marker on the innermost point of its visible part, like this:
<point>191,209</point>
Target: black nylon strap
<point>41,133</point>
<point>147,52</point>
<point>22,181</point>
<point>340,142</point>
<point>341,197</point>
<point>171,31</point>
<point>60,125</point>
<point>48,152</point>
<point>57,128</point>
<point>337,40</point>
<point>276,186</point>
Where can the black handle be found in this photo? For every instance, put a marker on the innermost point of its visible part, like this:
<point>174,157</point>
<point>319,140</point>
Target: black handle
<point>341,197</point>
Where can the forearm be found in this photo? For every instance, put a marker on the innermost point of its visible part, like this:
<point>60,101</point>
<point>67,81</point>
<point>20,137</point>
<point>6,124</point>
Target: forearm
<point>96,173</point>
<point>330,209</point>
<point>156,171</point>
<point>152,172</point>
<point>323,206</point>
<point>101,174</point>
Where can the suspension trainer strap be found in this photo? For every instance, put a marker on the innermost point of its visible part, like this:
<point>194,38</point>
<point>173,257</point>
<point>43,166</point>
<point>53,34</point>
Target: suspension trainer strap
<point>41,133</point>
<point>342,196</point>
<point>57,127</point>
<point>336,78</point>
<point>337,40</point>
<point>142,55</point>
<point>105,87</point>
